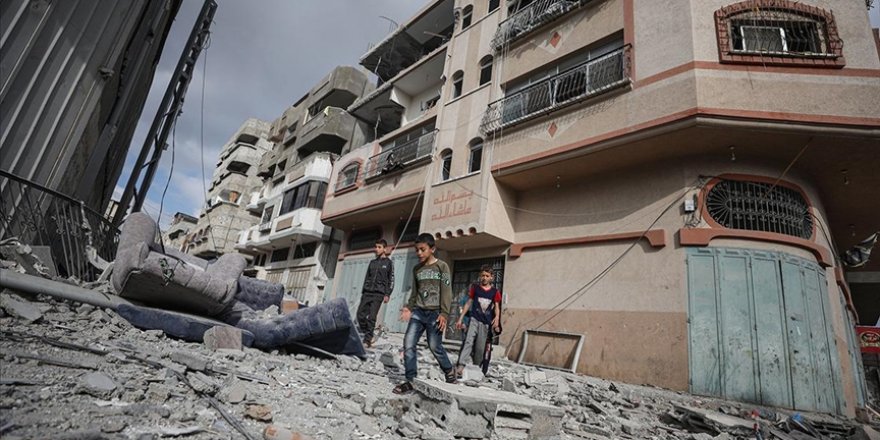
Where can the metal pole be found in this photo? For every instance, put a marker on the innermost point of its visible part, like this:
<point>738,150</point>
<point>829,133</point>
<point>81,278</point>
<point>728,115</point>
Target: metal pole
<point>171,104</point>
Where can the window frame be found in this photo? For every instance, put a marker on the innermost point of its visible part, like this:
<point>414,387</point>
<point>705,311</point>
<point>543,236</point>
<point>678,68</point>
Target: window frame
<point>486,65</point>
<point>467,16</point>
<point>493,5</point>
<point>343,173</point>
<point>828,41</point>
<point>457,84</point>
<point>445,165</point>
<point>476,146</point>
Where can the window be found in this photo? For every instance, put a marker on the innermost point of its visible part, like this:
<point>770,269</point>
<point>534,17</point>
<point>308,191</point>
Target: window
<point>486,69</point>
<point>307,195</point>
<point>757,206</point>
<point>445,165</point>
<point>304,250</point>
<point>771,32</point>
<point>411,232</point>
<point>493,5</point>
<point>466,15</point>
<point>279,255</point>
<point>348,176</point>
<point>430,103</point>
<point>476,158</point>
<point>238,167</point>
<point>457,80</point>
<point>363,239</point>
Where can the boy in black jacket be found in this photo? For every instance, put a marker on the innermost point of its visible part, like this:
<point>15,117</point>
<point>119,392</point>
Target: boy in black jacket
<point>378,284</point>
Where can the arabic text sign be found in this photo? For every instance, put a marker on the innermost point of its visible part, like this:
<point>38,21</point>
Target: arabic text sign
<point>452,204</point>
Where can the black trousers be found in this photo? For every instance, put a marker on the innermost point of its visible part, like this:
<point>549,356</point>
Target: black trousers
<point>371,302</point>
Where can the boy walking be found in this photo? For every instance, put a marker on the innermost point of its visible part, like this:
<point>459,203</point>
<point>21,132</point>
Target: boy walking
<point>427,311</point>
<point>378,284</point>
<point>484,305</point>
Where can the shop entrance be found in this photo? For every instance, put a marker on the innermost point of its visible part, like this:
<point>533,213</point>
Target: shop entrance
<point>464,274</point>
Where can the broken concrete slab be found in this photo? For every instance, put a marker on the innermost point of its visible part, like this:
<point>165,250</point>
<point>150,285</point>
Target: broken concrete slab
<point>193,362</point>
<point>534,378</point>
<point>98,384</point>
<point>19,307</point>
<point>222,337</point>
<point>474,412</point>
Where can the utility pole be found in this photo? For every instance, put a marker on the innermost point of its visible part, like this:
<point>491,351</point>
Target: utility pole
<point>171,106</point>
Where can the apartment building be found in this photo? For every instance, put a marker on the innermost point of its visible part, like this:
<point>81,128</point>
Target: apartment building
<point>175,236</point>
<point>663,188</point>
<point>225,215</point>
<point>289,243</point>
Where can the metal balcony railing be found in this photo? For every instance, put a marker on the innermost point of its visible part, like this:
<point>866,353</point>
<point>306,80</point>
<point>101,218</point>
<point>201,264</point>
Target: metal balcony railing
<point>592,78</point>
<point>74,233</point>
<point>522,22</point>
<point>399,156</point>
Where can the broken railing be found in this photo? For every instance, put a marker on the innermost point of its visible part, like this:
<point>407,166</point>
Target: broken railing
<point>591,78</point>
<point>395,158</point>
<point>76,235</point>
<point>524,21</point>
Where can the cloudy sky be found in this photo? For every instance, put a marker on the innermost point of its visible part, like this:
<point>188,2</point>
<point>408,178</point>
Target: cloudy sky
<point>263,56</point>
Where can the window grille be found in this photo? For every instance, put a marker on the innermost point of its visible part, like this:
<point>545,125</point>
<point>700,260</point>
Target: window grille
<point>363,239</point>
<point>348,176</point>
<point>756,206</point>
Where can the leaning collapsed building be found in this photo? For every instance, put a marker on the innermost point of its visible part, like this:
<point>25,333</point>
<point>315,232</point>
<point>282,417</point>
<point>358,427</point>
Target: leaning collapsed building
<point>74,77</point>
<point>662,190</point>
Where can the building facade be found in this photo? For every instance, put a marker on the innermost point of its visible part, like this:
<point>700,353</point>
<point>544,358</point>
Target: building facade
<point>289,244</point>
<point>225,215</point>
<point>662,189</point>
<point>175,235</point>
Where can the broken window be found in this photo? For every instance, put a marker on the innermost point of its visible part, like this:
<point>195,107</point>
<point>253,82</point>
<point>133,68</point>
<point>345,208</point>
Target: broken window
<point>445,165</point>
<point>457,80</point>
<point>238,167</point>
<point>348,176</point>
<point>279,255</point>
<point>305,250</point>
<point>486,69</point>
<point>466,16</point>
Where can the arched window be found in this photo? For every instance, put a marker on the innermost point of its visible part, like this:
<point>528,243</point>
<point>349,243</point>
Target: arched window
<point>457,80</point>
<point>445,164</point>
<point>476,156</point>
<point>486,69</point>
<point>493,5</point>
<point>758,206</point>
<point>348,176</point>
<point>778,32</point>
<point>466,15</point>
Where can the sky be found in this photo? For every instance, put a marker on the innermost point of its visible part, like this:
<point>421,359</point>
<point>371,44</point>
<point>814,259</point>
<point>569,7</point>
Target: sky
<point>263,56</point>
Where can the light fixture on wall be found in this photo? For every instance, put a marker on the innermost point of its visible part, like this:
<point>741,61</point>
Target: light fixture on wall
<point>845,177</point>
<point>557,182</point>
<point>732,153</point>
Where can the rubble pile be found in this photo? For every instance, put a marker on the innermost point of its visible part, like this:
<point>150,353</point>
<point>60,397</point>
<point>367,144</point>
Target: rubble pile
<point>74,371</point>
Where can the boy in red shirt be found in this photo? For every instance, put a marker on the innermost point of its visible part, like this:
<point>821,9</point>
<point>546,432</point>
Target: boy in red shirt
<point>484,305</point>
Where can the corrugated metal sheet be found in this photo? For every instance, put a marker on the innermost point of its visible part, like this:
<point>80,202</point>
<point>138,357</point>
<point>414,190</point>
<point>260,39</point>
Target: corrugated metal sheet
<point>760,330</point>
<point>74,75</point>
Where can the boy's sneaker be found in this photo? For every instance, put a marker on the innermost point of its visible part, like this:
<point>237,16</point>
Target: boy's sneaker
<point>368,343</point>
<point>404,388</point>
<point>451,377</point>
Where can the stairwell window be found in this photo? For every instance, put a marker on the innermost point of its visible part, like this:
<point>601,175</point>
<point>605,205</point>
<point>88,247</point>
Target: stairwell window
<point>457,80</point>
<point>778,32</point>
<point>486,69</point>
<point>466,16</point>
<point>476,159</point>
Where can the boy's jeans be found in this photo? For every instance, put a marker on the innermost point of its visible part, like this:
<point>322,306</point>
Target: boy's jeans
<point>422,321</point>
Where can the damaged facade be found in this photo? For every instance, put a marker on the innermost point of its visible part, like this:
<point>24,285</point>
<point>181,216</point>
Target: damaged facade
<point>175,235</point>
<point>671,184</point>
<point>224,215</point>
<point>289,244</point>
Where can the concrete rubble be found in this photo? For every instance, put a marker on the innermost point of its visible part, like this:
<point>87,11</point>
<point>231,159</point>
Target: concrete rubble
<point>81,372</point>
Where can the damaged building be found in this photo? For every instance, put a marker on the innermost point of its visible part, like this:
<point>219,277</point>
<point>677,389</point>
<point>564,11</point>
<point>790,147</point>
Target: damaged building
<point>663,191</point>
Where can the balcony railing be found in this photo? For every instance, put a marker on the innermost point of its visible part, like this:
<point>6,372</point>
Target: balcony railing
<point>398,157</point>
<point>586,80</point>
<point>531,17</point>
<point>74,233</point>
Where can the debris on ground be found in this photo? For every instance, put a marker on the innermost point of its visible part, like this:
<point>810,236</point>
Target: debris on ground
<point>81,371</point>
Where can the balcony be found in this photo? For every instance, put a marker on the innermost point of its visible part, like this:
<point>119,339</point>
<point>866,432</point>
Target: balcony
<point>256,202</point>
<point>327,131</point>
<point>300,225</point>
<point>589,79</point>
<point>533,16</point>
<point>400,156</point>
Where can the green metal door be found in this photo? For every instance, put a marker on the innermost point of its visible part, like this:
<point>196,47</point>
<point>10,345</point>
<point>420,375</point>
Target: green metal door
<point>760,329</point>
<point>351,281</point>
<point>404,261</point>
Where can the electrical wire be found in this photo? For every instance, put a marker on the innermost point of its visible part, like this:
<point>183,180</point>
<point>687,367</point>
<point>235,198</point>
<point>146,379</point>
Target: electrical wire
<point>206,206</point>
